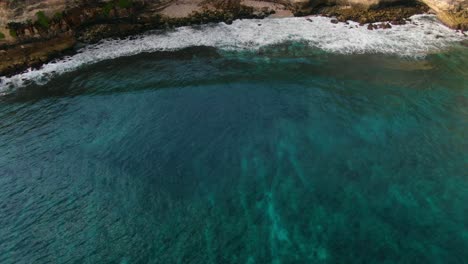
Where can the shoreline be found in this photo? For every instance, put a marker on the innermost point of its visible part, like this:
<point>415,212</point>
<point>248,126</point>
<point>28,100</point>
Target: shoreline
<point>37,45</point>
<point>423,36</point>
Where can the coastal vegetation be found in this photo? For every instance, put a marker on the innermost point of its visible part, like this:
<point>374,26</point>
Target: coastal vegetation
<point>13,33</point>
<point>116,4</point>
<point>42,19</point>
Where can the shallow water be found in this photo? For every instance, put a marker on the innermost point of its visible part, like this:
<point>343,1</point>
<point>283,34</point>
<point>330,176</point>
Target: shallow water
<point>284,154</point>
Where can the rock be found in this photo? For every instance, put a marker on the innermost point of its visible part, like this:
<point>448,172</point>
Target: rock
<point>259,14</point>
<point>383,26</point>
<point>334,21</point>
<point>453,13</point>
<point>363,20</point>
<point>370,27</point>
<point>398,22</point>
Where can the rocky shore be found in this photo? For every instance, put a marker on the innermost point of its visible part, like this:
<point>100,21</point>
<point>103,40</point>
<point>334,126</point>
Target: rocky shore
<point>33,32</point>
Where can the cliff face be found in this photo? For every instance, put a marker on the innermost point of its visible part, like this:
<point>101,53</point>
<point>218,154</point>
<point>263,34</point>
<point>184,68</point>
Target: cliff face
<point>452,12</point>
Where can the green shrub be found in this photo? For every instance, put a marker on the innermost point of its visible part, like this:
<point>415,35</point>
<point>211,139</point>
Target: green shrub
<point>117,3</point>
<point>13,33</point>
<point>58,16</point>
<point>107,8</point>
<point>124,3</point>
<point>2,36</point>
<point>42,19</point>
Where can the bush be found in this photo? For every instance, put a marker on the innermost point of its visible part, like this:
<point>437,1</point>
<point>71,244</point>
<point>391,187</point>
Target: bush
<point>107,8</point>
<point>42,19</point>
<point>58,16</point>
<point>13,33</point>
<point>124,3</point>
<point>2,36</point>
<point>117,3</point>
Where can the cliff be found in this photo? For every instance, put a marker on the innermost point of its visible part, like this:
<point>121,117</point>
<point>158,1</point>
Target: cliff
<point>454,13</point>
<point>35,31</point>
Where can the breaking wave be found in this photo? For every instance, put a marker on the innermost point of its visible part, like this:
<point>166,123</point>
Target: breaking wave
<point>425,34</point>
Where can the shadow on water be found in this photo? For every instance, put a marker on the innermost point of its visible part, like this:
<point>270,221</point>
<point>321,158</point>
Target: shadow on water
<point>70,84</point>
<point>189,66</point>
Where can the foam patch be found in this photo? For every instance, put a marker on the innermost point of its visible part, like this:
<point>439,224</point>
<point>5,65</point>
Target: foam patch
<point>424,35</point>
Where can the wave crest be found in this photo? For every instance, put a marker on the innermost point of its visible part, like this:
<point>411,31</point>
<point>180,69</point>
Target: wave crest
<point>425,34</point>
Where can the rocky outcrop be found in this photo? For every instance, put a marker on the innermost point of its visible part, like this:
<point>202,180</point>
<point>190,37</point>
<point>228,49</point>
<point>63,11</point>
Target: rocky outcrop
<point>34,31</point>
<point>394,12</point>
<point>24,21</point>
<point>454,13</point>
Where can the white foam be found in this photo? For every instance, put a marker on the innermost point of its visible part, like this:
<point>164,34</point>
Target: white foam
<point>423,35</point>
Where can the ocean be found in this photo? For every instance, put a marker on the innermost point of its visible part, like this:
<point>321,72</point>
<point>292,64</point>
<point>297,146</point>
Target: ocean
<point>264,141</point>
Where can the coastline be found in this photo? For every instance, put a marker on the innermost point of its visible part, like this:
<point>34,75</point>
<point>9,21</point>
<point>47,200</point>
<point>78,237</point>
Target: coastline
<point>422,36</point>
<point>37,44</point>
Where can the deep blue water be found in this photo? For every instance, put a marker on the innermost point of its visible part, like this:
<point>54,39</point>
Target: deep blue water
<point>283,155</point>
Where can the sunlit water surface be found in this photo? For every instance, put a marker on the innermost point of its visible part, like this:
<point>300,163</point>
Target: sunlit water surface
<point>284,154</point>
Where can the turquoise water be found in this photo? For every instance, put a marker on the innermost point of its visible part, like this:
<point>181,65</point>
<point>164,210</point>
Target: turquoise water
<point>282,155</point>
